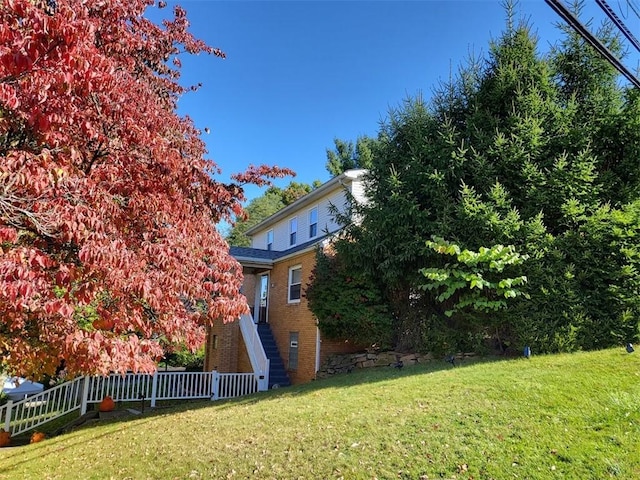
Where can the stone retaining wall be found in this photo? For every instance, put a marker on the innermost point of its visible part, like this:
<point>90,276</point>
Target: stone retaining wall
<point>347,363</point>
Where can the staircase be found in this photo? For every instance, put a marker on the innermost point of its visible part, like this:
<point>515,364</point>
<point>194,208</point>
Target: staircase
<point>277,373</point>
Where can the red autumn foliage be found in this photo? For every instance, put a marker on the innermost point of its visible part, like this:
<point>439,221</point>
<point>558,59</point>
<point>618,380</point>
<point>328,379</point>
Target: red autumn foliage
<point>108,204</point>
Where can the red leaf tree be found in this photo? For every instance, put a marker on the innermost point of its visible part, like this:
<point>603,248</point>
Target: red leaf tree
<point>108,244</point>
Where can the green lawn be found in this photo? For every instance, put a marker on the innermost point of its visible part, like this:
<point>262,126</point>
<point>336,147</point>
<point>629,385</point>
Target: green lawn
<point>565,416</point>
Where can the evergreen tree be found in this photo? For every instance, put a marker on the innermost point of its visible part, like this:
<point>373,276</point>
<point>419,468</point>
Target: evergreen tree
<point>347,156</point>
<point>537,154</point>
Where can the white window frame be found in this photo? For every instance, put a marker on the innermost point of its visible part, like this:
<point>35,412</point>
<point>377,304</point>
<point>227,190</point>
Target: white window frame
<point>312,224</point>
<point>293,231</point>
<point>291,284</point>
<point>270,237</point>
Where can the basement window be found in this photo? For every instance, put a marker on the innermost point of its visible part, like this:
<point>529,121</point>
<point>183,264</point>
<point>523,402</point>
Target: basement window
<point>293,350</point>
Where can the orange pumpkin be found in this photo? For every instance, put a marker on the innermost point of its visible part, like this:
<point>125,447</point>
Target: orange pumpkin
<point>107,404</point>
<point>37,437</point>
<point>5,438</point>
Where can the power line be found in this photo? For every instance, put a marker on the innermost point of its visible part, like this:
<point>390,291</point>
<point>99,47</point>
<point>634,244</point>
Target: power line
<point>619,23</point>
<point>559,7</point>
<point>634,7</point>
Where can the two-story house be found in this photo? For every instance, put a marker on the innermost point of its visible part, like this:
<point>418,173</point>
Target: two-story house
<point>276,269</point>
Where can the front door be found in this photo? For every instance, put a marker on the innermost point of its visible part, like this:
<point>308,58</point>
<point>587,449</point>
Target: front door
<point>264,298</point>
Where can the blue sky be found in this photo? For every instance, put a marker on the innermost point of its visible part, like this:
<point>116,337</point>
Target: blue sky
<point>299,73</point>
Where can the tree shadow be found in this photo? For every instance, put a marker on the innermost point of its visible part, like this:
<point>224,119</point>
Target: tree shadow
<point>358,377</point>
<point>389,373</point>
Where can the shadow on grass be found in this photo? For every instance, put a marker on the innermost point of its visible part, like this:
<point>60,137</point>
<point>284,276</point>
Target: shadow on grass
<point>41,450</point>
<point>386,374</point>
<point>26,453</point>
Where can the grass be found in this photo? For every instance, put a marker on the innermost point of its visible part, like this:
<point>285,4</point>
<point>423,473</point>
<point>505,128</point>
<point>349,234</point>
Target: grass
<point>562,416</point>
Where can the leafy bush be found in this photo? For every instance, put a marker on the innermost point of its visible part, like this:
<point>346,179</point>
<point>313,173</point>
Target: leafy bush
<point>183,357</point>
<point>347,303</point>
<point>477,281</point>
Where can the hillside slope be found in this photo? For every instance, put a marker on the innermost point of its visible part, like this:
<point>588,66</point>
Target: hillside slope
<point>562,416</point>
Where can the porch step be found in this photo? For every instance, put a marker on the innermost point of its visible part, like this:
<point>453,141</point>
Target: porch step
<point>277,373</point>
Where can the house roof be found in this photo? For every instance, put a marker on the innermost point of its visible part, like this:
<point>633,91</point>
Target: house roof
<point>307,199</point>
<point>258,256</point>
<point>253,253</point>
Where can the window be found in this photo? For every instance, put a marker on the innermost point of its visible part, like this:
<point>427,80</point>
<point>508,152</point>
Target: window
<point>293,350</point>
<point>313,222</point>
<point>295,283</point>
<point>293,231</point>
<point>270,240</point>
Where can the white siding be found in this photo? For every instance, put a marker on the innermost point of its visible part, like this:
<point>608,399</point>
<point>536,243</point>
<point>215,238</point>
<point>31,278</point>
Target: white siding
<point>326,222</point>
<point>357,190</point>
<point>336,197</point>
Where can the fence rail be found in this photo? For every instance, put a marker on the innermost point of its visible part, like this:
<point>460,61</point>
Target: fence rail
<point>236,385</point>
<point>27,414</point>
<point>123,388</point>
<point>19,417</point>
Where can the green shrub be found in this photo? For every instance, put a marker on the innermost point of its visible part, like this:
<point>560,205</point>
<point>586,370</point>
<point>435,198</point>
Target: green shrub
<point>183,357</point>
<point>347,304</point>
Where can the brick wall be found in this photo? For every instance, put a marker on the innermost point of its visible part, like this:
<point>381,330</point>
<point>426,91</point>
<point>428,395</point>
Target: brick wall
<point>249,287</point>
<point>230,355</point>
<point>244,363</point>
<point>227,353</point>
<point>221,351</point>
<point>287,317</point>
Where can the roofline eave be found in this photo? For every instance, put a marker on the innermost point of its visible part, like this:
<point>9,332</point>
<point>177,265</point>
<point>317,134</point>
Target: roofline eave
<point>254,262</point>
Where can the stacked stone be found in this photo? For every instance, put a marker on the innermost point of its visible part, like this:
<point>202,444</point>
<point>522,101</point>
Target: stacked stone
<point>347,363</point>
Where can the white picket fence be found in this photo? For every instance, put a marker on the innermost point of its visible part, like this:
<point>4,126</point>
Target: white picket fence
<point>19,417</point>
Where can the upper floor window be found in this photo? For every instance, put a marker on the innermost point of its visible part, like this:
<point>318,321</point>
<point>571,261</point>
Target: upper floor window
<point>270,240</point>
<point>295,284</point>
<point>293,231</point>
<point>313,222</point>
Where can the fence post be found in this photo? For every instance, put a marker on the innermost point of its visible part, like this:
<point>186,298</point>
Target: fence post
<point>7,419</point>
<point>215,385</point>
<point>154,389</point>
<point>85,395</point>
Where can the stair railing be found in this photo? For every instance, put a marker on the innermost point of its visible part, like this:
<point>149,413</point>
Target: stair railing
<point>257,355</point>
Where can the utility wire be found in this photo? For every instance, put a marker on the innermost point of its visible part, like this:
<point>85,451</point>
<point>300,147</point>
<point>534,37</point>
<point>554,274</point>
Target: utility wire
<point>559,7</point>
<point>634,7</point>
<point>619,23</point>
